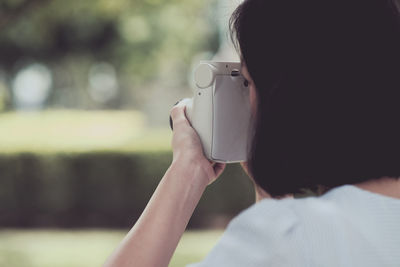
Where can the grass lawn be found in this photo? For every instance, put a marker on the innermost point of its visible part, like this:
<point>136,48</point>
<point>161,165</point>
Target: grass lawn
<point>80,131</point>
<point>85,248</point>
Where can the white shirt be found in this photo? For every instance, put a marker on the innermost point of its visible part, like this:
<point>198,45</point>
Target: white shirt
<point>347,226</point>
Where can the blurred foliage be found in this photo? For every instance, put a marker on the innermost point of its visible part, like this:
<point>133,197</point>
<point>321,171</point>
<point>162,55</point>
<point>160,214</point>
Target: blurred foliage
<point>108,189</point>
<point>95,169</point>
<point>86,248</point>
<point>149,42</point>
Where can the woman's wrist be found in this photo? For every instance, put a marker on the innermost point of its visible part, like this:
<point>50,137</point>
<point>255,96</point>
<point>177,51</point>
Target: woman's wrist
<point>192,170</point>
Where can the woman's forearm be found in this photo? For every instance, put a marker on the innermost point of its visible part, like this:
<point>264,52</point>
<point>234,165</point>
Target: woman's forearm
<point>153,239</point>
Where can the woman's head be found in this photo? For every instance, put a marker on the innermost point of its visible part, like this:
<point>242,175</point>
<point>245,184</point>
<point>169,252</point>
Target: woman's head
<point>327,80</point>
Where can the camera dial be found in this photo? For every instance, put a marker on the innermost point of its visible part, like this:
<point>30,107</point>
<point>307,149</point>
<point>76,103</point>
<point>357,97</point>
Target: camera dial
<point>204,75</point>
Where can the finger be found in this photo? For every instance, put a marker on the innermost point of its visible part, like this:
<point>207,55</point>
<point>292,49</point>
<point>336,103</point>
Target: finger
<point>219,168</point>
<point>244,164</point>
<point>245,167</point>
<point>178,115</point>
<point>170,119</point>
<point>178,112</point>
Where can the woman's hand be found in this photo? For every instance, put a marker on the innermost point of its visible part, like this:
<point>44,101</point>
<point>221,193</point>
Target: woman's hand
<point>187,148</point>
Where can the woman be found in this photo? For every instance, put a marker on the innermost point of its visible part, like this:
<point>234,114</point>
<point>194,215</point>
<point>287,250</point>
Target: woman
<point>324,79</point>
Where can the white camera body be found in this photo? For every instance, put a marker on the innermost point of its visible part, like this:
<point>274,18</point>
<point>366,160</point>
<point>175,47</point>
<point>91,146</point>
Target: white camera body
<point>220,111</point>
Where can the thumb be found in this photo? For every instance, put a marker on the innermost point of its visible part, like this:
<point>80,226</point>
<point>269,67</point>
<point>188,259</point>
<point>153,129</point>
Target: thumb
<point>219,168</point>
<point>178,116</point>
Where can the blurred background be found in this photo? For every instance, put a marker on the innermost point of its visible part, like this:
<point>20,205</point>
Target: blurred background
<point>85,93</point>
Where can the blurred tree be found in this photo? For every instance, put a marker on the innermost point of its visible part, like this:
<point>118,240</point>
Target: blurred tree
<point>145,41</point>
<point>12,9</point>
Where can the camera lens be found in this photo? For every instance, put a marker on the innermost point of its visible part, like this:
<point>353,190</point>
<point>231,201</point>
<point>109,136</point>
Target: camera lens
<point>246,83</point>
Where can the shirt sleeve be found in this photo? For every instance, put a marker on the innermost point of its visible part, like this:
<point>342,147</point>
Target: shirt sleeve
<point>256,237</point>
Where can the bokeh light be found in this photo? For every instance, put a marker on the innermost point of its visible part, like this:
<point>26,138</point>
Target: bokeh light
<point>103,82</point>
<point>32,86</point>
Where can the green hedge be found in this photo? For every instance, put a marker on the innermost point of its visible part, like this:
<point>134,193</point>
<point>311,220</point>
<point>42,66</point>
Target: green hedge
<point>102,189</point>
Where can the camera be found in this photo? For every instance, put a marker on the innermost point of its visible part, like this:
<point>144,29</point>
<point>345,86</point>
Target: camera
<point>220,111</point>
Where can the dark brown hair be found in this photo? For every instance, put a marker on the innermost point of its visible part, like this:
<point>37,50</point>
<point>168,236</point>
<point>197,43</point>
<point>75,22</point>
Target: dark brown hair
<point>327,74</point>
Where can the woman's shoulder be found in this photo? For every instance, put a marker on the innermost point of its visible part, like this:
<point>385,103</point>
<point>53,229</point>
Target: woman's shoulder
<point>296,232</point>
<point>284,214</point>
<point>269,217</point>
<point>339,201</point>
<point>338,214</point>
<point>262,234</point>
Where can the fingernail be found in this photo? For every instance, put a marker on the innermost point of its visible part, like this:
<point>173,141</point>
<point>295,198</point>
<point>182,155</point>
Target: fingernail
<point>170,123</point>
